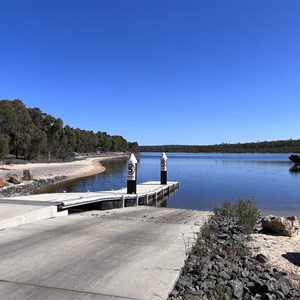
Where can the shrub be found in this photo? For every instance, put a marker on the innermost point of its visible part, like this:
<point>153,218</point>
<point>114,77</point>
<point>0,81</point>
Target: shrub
<point>244,211</point>
<point>247,213</point>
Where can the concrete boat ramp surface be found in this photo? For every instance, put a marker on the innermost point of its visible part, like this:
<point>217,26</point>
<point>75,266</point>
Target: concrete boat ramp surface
<point>127,253</point>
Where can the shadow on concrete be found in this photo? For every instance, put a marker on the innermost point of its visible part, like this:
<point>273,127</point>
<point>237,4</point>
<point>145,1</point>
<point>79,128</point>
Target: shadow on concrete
<point>292,257</point>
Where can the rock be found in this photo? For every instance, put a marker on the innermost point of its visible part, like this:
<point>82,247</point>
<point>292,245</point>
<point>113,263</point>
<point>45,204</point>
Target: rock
<point>280,295</point>
<point>225,275</point>
<point>14,178</point>
<point>284,287</point>
<point>271,287</point>
<point>26,175</point>
<point>238,288</point>
<point>248,264</point>
<point>261,258</point>
<point>245,273</point>
<point>237,238</point>
<point>174,294</point>
<point>283,226</point>
<point>3,182</point>
<point>223,237</point>
<point>294,294</point>
<point>211,284</point>
<point>269,296</point>
<point>192,296</point>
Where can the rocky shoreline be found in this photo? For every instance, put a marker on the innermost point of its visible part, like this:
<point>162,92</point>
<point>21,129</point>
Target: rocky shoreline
<point>220,266</point>
<point>29,187</point>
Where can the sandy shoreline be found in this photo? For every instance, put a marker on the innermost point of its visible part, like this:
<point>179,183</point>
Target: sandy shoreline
<point>75,169</point>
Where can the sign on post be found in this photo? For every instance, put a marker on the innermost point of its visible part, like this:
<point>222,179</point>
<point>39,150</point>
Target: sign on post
<point>131,174</point>
<point>163,169</point>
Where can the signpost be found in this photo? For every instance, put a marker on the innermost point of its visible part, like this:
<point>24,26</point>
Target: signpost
<point>131,174</point>
<point>163,169</point>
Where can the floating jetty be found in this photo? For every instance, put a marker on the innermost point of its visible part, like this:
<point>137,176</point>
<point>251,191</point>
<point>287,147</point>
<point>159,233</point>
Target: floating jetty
<point>26,209</point>
<point>148,193</point>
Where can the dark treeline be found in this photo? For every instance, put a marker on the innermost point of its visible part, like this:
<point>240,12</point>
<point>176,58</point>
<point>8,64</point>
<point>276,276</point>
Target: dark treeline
<point>32,134</point>
<point>282,146</point>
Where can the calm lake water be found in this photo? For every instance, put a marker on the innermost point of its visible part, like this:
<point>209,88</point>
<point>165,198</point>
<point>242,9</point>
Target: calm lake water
<point>206,180</point>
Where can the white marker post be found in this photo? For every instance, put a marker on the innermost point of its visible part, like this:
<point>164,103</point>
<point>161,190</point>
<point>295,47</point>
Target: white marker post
<point>131,174</point>
<point>163,169</point>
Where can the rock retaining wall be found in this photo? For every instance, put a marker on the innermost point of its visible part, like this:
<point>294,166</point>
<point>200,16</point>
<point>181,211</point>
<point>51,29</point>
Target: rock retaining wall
<point>29,188</point>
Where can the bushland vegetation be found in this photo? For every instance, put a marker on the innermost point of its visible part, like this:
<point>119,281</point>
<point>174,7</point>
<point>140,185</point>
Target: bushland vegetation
<point>31,134</point>
<point>280,146</point>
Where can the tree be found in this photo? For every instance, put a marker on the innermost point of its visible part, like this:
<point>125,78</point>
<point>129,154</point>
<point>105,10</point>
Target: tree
<point>133,147</point>
<point>70,135</point>
<point>8,117</point>
<point>54,130</point>
<point>104,141</point>
<point>4,145</point>
<point>119,143</point>
<point>38,147</point>
<point>22,130</point>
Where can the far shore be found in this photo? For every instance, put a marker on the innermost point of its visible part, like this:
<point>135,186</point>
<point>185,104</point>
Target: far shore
<point>76,169</point>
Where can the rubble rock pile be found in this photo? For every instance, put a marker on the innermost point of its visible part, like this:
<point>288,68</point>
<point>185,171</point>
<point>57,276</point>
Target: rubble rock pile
<point>220,266</point>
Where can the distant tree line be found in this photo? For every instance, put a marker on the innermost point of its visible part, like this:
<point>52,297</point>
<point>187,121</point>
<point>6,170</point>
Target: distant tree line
<point>32,134</point>
<point>281,146</point>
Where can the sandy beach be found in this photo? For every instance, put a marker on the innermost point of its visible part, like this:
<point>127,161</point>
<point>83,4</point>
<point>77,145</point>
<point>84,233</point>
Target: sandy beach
<point>75,169</point>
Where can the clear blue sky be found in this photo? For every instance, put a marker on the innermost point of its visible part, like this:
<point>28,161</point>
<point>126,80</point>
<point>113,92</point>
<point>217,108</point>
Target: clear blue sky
<point>157,71</point>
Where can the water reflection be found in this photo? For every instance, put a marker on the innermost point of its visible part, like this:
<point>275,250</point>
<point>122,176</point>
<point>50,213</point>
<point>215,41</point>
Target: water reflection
<point>114,177</point>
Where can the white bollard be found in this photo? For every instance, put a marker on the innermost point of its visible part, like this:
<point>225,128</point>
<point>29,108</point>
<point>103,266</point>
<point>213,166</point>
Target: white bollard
<point>131,174</point>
